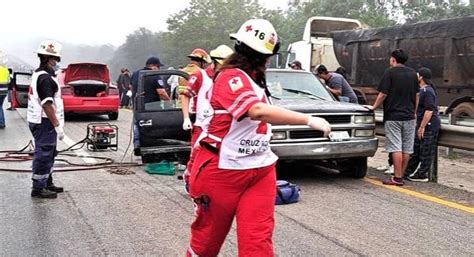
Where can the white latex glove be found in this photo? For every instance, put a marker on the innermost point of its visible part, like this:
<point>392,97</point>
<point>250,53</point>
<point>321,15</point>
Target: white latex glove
<point>319,124</point>
<point>187,125</point>
<point>60,131</point>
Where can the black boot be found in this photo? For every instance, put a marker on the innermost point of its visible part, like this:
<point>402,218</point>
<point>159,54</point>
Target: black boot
<point>137,152</point>
<point>51,187</point>
<point>54,188</point>
<point>43,193</point>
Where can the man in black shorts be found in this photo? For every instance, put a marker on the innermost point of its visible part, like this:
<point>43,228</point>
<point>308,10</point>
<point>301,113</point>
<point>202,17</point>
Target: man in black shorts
<point>398,91</point>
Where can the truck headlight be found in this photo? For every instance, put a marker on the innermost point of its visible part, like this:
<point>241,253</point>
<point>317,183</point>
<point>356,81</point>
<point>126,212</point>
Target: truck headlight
<point>364,133</point>
<point>279,135</point>
<point>364,119</point>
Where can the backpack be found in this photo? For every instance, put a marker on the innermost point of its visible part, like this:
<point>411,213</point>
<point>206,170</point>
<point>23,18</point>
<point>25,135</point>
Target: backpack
<point>286,192</point>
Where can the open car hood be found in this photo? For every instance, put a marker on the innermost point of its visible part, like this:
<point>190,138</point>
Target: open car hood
<point>86,71</point>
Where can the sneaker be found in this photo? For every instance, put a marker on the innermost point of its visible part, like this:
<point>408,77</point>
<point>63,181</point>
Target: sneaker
<point>390,170</point>
<point>382,168</point>
<point>417,177</point>
<point>43,193</point>
<point>392,181</point>
<point>55,188</point>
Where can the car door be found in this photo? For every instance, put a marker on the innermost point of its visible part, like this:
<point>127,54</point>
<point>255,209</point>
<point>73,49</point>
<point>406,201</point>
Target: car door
<point>21,84</point>
<point>160,123</point>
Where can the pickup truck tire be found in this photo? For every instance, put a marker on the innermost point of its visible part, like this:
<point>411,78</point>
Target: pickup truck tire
<point>354,168</point>
<point>113,115</point>
<point>464,110</point>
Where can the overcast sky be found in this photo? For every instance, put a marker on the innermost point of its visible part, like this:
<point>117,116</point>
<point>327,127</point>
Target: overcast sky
<point>88,21</point>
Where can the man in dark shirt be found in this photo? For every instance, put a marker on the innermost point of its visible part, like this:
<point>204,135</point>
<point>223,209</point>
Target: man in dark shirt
<point>123,83</point>
<point>45,117</point>
<point>153,85</point>
<point>337,84</point>
<point>398,91</point>
<point>153,91</point>
<point>427,127</point>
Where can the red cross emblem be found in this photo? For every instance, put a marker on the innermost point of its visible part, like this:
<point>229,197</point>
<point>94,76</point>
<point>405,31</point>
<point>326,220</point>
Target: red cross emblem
<point>248,28</point>
<point>235,84</point>
<point>50,49</point>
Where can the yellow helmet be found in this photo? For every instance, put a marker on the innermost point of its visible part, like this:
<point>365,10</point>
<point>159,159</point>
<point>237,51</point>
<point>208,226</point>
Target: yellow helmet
<point>220,53</point>
<point>258,34</point>
<point>200,54</point>
<point>50,47</point>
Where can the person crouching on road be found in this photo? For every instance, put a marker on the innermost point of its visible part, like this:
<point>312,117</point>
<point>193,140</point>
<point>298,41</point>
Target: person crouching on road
<point>427,127</point>
<point>45,117</point>
<point>197,88</point>
<point>233,174</point>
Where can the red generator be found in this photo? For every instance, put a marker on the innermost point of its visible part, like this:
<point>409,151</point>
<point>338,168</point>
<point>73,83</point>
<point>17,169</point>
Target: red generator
<point>102,136</point>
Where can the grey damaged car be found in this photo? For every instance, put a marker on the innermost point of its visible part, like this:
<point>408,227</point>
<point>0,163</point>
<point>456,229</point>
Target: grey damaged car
<point>352,141</point>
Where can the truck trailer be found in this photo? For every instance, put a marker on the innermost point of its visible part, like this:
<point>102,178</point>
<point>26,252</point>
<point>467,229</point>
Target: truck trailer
<point>444,46</point>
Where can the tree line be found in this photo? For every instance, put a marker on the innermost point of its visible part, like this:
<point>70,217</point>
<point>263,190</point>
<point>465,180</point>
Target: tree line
<point>208,23</point>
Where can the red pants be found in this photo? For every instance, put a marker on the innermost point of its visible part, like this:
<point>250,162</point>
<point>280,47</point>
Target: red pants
<point>249,195</point>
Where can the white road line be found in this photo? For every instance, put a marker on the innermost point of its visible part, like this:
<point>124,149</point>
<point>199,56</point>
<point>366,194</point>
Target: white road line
<point>80,152</point>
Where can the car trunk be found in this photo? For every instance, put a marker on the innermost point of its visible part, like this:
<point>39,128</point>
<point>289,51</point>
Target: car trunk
<point>89,88</point>
<point>87,79</point>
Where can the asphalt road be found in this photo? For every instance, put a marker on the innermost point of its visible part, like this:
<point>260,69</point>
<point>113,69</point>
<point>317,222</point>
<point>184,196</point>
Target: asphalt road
<point>141,214</point>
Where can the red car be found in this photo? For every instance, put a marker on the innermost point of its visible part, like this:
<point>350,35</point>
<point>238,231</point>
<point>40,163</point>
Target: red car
<point>86,89</point>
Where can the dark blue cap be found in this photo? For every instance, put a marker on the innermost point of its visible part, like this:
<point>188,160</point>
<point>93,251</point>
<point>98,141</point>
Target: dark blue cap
<point>154,61</point>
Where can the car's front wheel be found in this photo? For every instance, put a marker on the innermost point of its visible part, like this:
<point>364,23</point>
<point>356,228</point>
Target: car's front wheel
<point>113,115</point>
<point>354,168</point>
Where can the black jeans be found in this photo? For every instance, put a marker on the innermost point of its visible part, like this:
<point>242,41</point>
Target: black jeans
<point>423,153</point>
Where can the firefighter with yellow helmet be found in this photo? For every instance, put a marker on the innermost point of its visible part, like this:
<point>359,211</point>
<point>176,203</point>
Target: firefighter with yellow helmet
<point>45,117</point>
<point>199,59</point>
<point>197,87</point>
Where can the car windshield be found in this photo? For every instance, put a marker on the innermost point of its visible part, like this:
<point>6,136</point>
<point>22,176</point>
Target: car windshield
<point>290,85</point>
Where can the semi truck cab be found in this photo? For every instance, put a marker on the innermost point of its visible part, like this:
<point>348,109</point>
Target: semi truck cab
<point>316,47</point>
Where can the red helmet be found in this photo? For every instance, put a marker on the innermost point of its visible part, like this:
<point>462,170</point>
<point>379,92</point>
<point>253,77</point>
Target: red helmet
<point>200,54</point>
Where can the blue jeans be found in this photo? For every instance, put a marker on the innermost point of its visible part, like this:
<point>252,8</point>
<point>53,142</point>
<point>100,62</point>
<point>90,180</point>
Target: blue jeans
<point>2,115</point>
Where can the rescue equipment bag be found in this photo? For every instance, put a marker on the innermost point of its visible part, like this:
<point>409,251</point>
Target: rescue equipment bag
<point>286,192</point>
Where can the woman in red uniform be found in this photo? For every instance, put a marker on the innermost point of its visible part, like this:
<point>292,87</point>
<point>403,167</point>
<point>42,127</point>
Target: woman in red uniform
<point>234,171</point>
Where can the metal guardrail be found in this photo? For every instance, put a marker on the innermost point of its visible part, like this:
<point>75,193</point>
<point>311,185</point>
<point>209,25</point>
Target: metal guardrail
<point>455,136</point>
